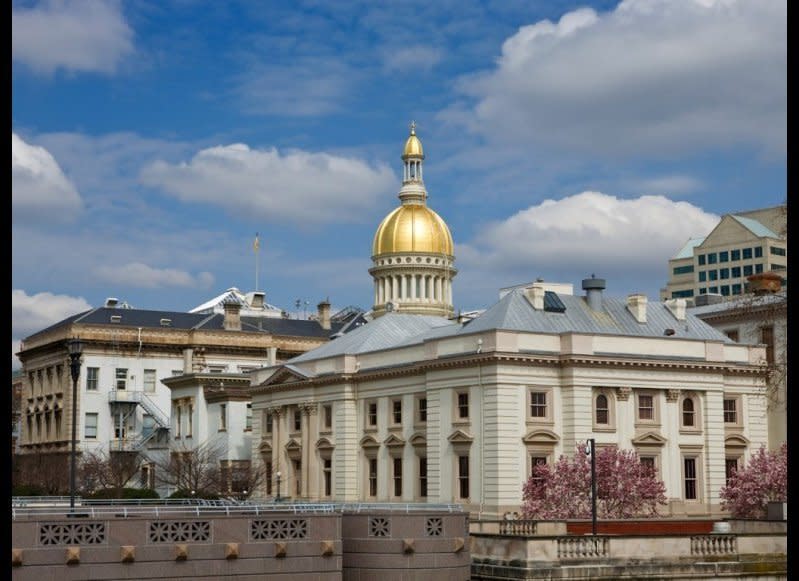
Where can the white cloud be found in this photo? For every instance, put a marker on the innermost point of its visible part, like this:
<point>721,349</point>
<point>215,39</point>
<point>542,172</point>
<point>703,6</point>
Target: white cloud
<point>411,58</point>
<point>268,185</point>
<point>39,189</point>
<point>73,35</point>
<point>137,274</point>
<point>671,185</point>
<point>32,313</point>
<point>590,232</point>
<point>649,76</point>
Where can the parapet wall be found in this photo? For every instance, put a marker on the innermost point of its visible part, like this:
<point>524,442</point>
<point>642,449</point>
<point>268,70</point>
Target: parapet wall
<point>280,546</point>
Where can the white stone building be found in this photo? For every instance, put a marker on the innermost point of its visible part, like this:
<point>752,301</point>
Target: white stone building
<point>415,406</point>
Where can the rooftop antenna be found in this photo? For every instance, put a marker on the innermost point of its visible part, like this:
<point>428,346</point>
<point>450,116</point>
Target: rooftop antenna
<point>256,246</point>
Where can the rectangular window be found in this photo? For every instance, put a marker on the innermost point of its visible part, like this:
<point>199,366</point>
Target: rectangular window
<point>121,377</point>
<point>538,404</point>
<point>724,256</point>
<point>371,414</point>
<point>732,334</point>
<point>730,466</point>
<point>683,269</point>
<point>767,337</point>
<point>148,425</point>
<point>724,273</point>
<point>690,478</point>
<point>747,253</point>
<point>297,420</point>
<point>711,258</point>
<point>777,251</point>
<point>176,372</point>
<point>396,411</point>
<point>463,406</point>
<point>248,419</point>
<point>646,407</point>
<point>725,290</point>
<point>702,275</point>
<point>372,476</point>
<point>222,417</point>
<point>735,255</point>
<point>397,476</point>
<point>702,291</point>
<point>269,478</point>
<point>423,477</point>
<point>683,294</point>
<point>536,460</point>
<point>190,420</point>
<point>701,259</point>
<point>735,272</point>
<point>730,411</point>
<point>748,270</point>
<point>268,422</point>
<point>178,420</point>
<point>649,462</point>
<point>149,380</point>
<point>775,266</point>
<point>90,426</point>
<point>758,252</point>
<point>327,416</point>
<point>713,275</point>
<point>758,268</point>
<point>327,473</point>
<point>463,476</point>
<point>92,378</point>
<point>422,409</point>
<point>713,289</point>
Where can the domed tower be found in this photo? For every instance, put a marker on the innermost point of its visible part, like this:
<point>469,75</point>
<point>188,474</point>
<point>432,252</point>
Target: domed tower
<point>412,259</point>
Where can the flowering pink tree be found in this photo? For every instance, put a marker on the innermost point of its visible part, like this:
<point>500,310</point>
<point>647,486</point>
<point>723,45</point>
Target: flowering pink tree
<point>764,479</point>
<point>625,487</point>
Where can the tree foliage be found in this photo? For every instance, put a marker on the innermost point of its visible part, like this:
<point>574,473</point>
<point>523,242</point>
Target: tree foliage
<point>764,479</point>
<point>625,487</point>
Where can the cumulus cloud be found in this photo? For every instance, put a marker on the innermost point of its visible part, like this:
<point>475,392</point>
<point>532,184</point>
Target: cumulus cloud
<point>73,35</point>
<point>585,233</point>
<point>649,76</point>
<point>39,188</point>
<point>32,313</point>
<point>137,274</point>
<point>269,185</point>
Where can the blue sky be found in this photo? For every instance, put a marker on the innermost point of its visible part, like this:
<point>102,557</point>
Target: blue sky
<point>151,140</point>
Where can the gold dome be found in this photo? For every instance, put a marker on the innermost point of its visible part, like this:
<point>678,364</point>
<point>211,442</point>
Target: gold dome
<point>412,228</point>
<point>413,147</point>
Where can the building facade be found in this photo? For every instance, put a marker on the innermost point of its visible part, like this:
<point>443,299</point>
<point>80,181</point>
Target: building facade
<point>420,407</point>
<point>742,244</point>
<point>123,404</point>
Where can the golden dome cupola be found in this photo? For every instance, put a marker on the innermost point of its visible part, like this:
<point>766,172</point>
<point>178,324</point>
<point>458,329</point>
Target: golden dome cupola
<point>412,251</point>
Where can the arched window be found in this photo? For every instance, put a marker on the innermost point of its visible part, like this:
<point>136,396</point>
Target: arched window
<point>688,412</point>
<point>602,415</point>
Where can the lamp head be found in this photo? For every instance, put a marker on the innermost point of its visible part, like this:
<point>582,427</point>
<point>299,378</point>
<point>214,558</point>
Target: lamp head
<point>75,347</point>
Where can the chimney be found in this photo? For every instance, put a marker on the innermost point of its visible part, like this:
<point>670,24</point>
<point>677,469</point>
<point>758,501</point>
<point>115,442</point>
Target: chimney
<point>323,312</point>
<point>535,294</point>
<point>677,308</point>
<point>593,288</point>
<point>258,300</point>
<point>232,316</point>
<point>636,304</point>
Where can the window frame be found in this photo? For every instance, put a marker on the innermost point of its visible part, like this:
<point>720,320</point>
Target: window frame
<point>462,481</point>
<point>737,421</point>
<point>549,403</point>
<point>655,419</point>
<point>610,398</point>
<point>395,412</point>
<point>87,425</point>
<point>146,381</point>
<point>420,409</point>
<point>396,476</point>
<point>696,404</point>
<point>92,378</point>
<point>370,415</point>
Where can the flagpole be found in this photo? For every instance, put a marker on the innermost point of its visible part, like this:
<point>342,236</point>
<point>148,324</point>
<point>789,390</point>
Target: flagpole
<point>256,247</point>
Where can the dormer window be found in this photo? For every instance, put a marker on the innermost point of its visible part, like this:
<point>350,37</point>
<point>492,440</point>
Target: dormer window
<point>166,322</point>
<point>116,318</point>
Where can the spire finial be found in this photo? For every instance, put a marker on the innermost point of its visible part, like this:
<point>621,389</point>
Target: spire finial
<point>413,127</point>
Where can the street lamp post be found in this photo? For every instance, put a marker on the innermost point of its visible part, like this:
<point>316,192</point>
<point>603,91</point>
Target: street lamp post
<point>75,352</point>
<point>592,452</point>
<point>277,475</point>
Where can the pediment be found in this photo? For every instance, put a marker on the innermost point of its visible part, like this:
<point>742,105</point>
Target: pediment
<point>394,441</point>
<point>649,439</point>
<point>369,442</point>
<point>324,444</point>
<point>285,375</point>
<point>265,446</point>
<point>418,440</point>
<point>541,437</point>
<point>736,441</point>
<point>293,445</point>
<point>460,437</point>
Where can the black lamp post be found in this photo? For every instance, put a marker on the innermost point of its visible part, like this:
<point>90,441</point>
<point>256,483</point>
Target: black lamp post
<point>277,475</point>
<point>592,452</point>
<point>75,352</point>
